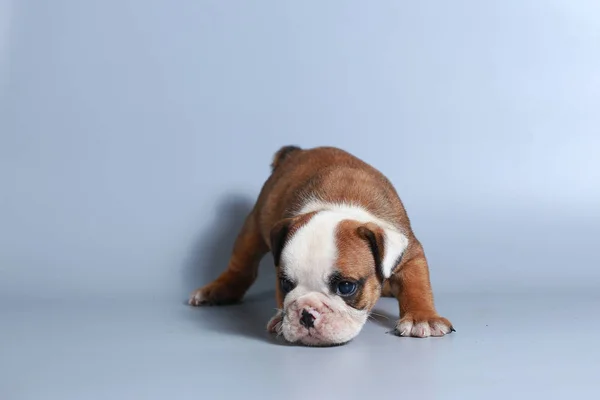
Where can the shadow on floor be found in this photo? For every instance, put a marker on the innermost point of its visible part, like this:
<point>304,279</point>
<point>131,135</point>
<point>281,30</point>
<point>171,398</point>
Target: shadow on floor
<point>210,253</point>
<point>383,318</point>
<point>247,319</point>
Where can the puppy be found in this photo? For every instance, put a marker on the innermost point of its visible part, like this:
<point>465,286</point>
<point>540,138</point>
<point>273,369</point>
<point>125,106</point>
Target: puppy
<point>340,238</point>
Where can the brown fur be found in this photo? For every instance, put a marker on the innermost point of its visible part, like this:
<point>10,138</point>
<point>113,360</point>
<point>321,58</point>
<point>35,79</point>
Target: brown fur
<point>355,262</point>
<point>331,175</point>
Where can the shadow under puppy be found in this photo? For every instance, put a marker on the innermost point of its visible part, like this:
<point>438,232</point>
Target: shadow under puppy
<point>340,238</point>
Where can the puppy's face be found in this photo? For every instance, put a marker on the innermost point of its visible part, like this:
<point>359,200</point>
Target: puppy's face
<point>330,269</point>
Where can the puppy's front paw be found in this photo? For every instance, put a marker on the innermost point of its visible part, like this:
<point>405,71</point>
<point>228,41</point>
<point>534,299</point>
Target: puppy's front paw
<point>423,326</point>
<point>214,294</point>
<point>274,325</point>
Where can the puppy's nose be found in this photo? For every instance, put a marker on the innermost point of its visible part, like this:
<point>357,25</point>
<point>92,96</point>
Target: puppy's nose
<point>307,319</point>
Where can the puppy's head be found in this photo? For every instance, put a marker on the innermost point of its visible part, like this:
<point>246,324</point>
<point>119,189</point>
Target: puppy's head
<point>330,269</point>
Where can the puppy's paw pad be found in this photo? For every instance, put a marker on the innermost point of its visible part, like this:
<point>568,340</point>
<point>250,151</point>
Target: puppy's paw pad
<point>423,327</point>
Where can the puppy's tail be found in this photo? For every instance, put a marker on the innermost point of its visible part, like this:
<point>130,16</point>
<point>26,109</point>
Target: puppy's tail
<point>282,154</point>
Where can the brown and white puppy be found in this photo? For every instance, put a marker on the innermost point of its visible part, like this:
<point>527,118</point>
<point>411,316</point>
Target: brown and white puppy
<point>340,238</point>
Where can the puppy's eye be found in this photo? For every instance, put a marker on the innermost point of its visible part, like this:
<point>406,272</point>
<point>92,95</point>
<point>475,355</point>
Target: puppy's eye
<point>346,288</point>
<point>286,285</point>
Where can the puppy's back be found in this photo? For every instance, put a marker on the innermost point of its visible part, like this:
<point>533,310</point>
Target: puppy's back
<point>329,175</point>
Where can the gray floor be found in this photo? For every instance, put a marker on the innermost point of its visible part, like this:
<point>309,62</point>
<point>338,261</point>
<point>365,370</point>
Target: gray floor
<point>506,346</point>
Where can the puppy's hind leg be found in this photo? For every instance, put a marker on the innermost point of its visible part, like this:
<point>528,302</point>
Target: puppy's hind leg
<point>241,272</point>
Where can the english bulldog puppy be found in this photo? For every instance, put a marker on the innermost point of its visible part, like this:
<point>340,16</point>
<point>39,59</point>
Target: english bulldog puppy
<point>340,238</point>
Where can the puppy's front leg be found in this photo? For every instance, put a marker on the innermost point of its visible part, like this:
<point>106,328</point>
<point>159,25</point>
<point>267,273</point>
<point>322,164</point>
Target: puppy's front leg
<point>241,272</point>
<point>411,286</point>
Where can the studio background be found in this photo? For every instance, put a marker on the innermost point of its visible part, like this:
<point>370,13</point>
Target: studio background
<point>135,136</point>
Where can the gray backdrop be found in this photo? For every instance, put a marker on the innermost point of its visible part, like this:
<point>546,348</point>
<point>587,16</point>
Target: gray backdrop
<point>135,135</point>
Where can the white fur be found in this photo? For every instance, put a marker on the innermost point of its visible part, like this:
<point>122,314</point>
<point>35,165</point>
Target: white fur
<point>196,298</point>
<point>422,329</point>
<point>310,254</point>
<point>394,245</point>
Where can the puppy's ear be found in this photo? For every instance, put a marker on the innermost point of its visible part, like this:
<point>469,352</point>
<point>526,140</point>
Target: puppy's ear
<point>280,233</point>
<point>387,245</point>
